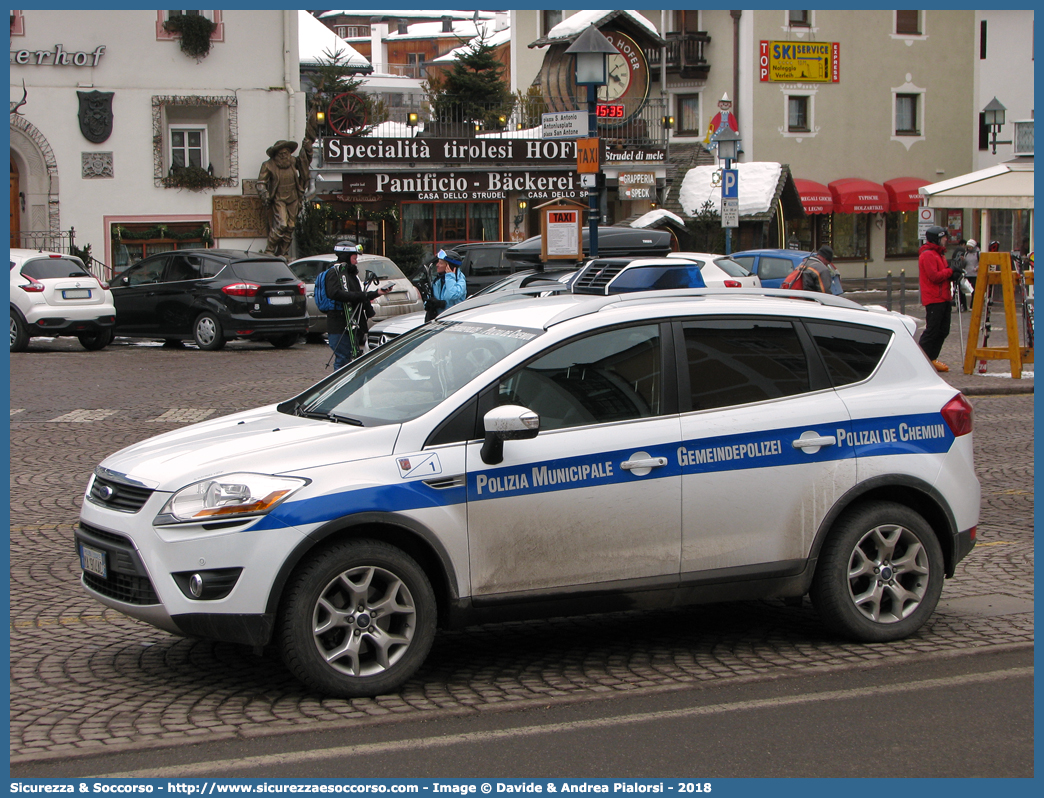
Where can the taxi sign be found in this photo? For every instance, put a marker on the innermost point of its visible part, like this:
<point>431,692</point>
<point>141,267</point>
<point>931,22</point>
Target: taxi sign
<point>587,160</point>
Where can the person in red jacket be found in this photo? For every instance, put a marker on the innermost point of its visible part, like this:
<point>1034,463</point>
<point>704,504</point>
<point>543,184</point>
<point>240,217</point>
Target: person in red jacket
<point>935,276</point>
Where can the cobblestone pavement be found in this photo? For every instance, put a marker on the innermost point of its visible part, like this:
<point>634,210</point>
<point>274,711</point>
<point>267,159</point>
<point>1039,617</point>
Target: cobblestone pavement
<point>85,679</point>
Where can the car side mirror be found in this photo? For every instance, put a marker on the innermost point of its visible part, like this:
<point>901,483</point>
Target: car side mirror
<point>506,423</point>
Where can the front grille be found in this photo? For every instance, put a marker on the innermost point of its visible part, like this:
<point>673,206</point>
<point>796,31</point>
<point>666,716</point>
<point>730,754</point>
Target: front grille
<point>127,580</point>
<point>117,495</point>
<point>596,277</point>
<point>120,587</point>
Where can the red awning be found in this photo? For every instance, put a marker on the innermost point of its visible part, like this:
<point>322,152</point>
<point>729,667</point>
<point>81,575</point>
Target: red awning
<point>902,192</point>
<point>815,197</point>
<point>854,195</point>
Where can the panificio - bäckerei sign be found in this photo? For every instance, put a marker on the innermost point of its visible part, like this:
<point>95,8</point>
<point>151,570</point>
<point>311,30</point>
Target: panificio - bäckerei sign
<point>444,185</point>
<point>465,152</point>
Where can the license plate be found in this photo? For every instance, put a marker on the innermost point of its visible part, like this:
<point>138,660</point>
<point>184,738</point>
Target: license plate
<point>280,300</point>
<point>93,561</point>
<point>76,293</point>
<point>398,296</point>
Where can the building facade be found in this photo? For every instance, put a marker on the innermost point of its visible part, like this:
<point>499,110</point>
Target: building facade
<point>121,136</point>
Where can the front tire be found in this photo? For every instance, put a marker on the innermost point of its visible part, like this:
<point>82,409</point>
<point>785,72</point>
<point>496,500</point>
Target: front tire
<point>19,334</point>
<point>358,619</point>
<point>92,342</point>
<point>880,573</point>
<point>207,333</point>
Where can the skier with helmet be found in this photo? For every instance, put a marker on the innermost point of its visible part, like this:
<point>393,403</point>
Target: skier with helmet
<point>346,325</point>
<point>935,276</point>
<point>449,287</point>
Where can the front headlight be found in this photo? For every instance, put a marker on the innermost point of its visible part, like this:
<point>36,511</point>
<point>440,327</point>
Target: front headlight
<point>229,496</point>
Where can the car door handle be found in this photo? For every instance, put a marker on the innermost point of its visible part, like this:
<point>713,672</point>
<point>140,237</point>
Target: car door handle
<point>815,442</point>
<point>647,462</point>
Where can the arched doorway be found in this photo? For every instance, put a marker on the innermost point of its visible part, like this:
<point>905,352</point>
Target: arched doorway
<point>35,202</point>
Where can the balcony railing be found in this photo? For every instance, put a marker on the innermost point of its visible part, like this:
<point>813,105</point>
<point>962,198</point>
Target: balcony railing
<point>641,125</point>
<point>417,71</point>
<point>61,241</point>
<point>685,54</point>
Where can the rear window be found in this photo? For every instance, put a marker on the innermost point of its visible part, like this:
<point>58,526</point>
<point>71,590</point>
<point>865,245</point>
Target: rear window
<point>384,268</point>
<point>49,268</point>
<point>775,268</point>
<point>746,261</point>
<point>732,268</point>
<point>263,271</point>
<point>489,261</point>
<point>851,353</point>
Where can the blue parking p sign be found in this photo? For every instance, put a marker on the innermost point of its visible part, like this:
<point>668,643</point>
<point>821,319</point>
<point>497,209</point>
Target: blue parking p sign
<point>730,184</point>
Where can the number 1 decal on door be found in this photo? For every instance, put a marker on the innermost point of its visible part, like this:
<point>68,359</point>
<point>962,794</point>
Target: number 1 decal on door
<point>419,465</point>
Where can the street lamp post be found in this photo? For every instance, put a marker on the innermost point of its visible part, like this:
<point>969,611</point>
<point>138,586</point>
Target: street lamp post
<point>728,148</point>
<point>993,117</point>
<point>591,49</point>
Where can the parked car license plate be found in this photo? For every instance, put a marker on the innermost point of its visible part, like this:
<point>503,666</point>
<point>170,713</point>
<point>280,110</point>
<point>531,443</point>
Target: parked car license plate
<point>76,293</point>
<point>93,561</point>
<point>280,300</point>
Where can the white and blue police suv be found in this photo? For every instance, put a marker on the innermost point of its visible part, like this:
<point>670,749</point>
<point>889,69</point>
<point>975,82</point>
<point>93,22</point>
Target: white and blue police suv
<point>552,456</point>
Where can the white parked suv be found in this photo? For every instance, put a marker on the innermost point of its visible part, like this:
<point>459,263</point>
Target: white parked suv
<point>52,295</point>
<point>552,456</point>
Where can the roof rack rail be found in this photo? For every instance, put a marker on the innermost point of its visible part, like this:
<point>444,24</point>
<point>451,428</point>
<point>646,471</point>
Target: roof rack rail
<point>598,303</point>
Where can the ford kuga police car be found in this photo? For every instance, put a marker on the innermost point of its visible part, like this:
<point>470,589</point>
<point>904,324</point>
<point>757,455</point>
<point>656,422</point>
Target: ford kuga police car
<point>552,456</point>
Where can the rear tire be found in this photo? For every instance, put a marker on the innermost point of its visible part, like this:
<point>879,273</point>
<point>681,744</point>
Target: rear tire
<point>19,334</point>
<point>92,342</point>
<point>207,333</point>
<point>284,341</point>
<point>358,619</point>
<point>880,573</point>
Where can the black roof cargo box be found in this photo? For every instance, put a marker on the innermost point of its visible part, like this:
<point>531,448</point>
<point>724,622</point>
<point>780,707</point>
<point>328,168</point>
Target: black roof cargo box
<point>613,242</point>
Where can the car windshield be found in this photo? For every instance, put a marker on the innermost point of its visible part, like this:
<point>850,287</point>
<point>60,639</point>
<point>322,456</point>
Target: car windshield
<point>51,268</point>
<point>384,268</point>
<point>307,270</point>
<point>412,374</point>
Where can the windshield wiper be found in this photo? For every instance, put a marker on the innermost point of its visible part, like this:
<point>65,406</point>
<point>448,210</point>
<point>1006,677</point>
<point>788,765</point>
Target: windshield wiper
<point>344,419</point>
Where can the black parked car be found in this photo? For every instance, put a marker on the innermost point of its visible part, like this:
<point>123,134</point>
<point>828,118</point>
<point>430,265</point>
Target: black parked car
<point>484,263</point>
<point>210,296</point>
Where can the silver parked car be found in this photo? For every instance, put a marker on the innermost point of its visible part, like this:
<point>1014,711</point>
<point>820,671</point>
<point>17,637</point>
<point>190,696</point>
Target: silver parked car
<point>405,298</point>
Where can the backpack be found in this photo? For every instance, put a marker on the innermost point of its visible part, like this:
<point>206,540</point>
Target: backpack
<point>322,301</point>
<point>795,282</point>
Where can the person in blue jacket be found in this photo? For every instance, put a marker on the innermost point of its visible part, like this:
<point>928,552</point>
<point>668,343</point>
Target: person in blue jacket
<point>449,287</point>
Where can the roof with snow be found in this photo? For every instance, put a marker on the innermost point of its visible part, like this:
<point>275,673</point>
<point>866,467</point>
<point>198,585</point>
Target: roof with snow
<point>492,39</point>
<point>571,27</point>
<point>429,13</point>
<point>316,43</point>
<point>761,183</point>
<point>653,218</point>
